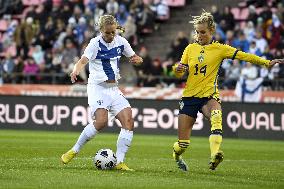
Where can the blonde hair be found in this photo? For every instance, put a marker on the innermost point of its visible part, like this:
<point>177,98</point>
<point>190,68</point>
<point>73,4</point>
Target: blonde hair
<point>109,20</point>
<point>205,17</point>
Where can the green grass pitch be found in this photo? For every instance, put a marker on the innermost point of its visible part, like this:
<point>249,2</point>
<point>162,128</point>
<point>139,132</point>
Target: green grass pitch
<point>31,159</point>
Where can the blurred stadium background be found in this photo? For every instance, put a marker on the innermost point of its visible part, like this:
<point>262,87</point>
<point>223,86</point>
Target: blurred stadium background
<point>40,40</point>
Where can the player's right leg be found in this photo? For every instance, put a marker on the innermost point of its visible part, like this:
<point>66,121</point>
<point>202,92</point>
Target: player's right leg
<point>89,132</point>
<point>98,101</point>
<point>185,124</point>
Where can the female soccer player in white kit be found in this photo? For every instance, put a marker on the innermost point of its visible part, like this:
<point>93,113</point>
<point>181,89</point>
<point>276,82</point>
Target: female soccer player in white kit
<point>104,97</point>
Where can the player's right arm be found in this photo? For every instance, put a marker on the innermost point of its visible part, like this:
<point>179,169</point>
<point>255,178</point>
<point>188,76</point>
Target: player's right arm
<point>78,67</point>
<point>89,52</point>
<point>179,69</point>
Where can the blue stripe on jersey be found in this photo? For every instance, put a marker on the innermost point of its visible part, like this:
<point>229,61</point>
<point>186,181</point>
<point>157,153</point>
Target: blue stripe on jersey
<point>105,55</point>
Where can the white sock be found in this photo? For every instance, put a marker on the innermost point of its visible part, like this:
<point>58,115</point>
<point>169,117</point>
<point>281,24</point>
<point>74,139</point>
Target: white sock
<point>123,143</point>
<point>87,134</point>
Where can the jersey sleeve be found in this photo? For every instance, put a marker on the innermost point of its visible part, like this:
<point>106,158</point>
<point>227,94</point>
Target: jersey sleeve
<point>184,58</point>
<point>233,53</point>
<point>252,58</point>
<point>128,51</point>
<point>229,52</point>
<point>90,50</point>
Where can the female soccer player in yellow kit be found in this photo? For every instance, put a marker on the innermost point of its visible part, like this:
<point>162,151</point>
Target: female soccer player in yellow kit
<point>202,60</point>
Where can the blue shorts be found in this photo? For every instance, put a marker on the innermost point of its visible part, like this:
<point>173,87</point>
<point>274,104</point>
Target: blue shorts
<point>192,105</point>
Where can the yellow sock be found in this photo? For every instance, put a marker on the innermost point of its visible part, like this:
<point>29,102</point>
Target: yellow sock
<point>180,146</point>
<point>215,143</point>
<point>215,138</point>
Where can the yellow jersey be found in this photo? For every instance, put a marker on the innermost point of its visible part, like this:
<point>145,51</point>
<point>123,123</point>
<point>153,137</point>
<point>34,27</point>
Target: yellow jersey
<point>203,63</point>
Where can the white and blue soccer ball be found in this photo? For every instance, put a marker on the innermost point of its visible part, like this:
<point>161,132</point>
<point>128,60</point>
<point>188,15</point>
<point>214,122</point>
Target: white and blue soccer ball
<point>105,159</point>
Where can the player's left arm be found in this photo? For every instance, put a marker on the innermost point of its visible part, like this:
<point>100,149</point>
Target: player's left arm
<point>258,60</point>
<point>128,52</point>
<point>233,53</point>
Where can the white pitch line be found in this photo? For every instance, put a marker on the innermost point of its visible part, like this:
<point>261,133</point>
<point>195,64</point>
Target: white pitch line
<point>87,158</point>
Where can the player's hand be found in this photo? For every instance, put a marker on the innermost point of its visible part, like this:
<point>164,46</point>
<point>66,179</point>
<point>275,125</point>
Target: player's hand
<point>136,60</point>
<point>275,61</point>
<point>73,76</point>
<point>181,68</point>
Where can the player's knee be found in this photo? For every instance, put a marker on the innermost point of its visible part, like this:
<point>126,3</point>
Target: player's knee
<point>100,124</point>
<point>216,121</point>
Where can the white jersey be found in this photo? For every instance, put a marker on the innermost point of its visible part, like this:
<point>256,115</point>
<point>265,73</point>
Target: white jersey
<point>104,58</point>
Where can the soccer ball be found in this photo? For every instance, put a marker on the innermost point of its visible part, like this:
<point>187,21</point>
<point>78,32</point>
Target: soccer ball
<point>105,159</point>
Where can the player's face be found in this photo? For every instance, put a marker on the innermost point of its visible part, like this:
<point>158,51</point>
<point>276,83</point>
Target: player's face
<point>204,35</point>
<point>108,32</point>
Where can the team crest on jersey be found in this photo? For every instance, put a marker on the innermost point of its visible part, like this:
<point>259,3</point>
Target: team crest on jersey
<point>100,102</point>
<point>201,58</point>
<point>118,51</point>
<point>181,105</point>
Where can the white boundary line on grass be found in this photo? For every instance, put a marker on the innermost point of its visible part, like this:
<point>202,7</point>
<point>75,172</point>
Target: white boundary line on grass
<point>87,158</point>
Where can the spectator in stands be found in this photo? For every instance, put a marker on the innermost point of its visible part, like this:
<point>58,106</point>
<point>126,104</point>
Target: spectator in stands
<point>142,70</point>
<point>18,70</point>
<point>274,31</point>
<point>80,29</point>
<point>266,14</point>
<point>130,31</point>
<point>241,42</point>
<point>202,60</point>
<point>97,14</point>
<point>253,16</point>
<point>31,69</point>
<point>65,12</point>
<point>103,52</point>
<point>162,10</point>
<point>1,73</point>
<point>232,75</point>
<point>146,23</point>
<point>279,54</point>
<point>230,37</point>
<point>38,55</point>
<point>216,14</point>
<point>177,46</point>
<point>154,72</point>
<point>260,42</point>
<point>170,80</point>
<point>112,7</point>
<point>249,86</point>
<point>56,61</point>
<point>280,11</point>
<point>253,49</point>
<point>228,19</point>
<point>8,67</point>
<point>249,31</point>
<point>69,53</point>
<point>24,36</point>
<point>122,14</point>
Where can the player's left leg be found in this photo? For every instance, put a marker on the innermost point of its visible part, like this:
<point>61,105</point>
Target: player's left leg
<point>124,138</point>
<point>121,109</point>
<point>212,110</point>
